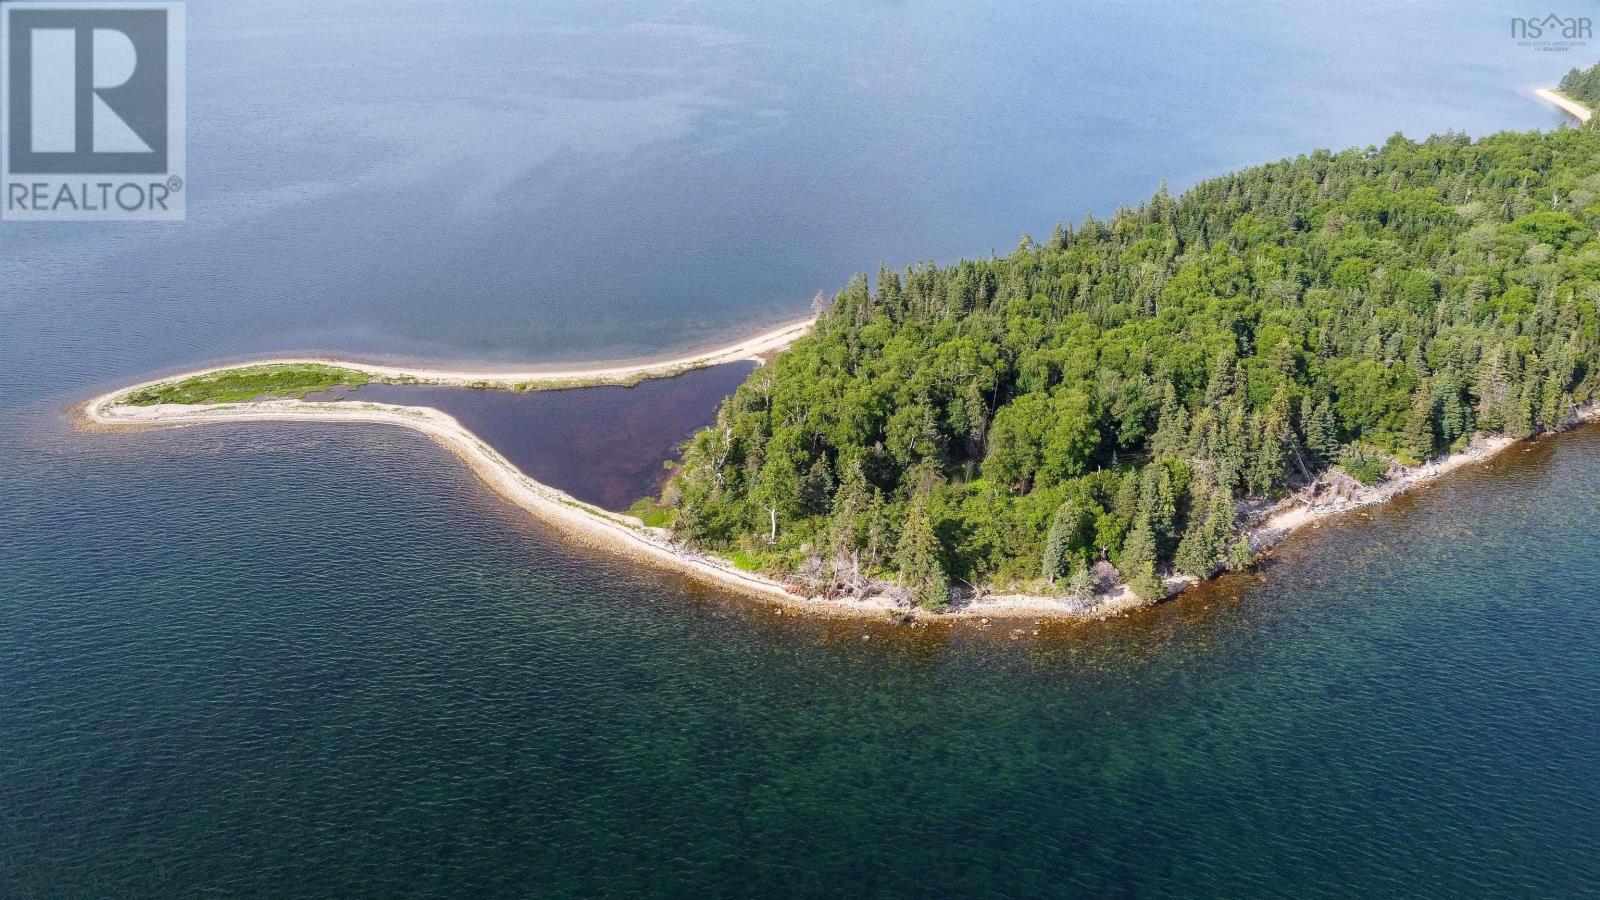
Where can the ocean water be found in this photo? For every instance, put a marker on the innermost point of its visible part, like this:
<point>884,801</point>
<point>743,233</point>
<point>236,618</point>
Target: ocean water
<point>311,661</point>
<point>609,446</point>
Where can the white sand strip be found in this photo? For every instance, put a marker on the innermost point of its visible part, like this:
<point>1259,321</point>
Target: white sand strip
<point>1567,105</point>
<point>752,348</point>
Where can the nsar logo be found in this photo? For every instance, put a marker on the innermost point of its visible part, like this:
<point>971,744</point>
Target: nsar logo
<point>1552,32</point>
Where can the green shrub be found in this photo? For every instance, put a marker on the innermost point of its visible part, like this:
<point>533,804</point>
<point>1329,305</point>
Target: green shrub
<point>1364,466</point>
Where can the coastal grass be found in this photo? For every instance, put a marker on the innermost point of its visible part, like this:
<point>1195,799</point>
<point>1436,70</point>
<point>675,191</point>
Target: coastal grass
<point>249,383</point>
<point>629,380</point>
<point>755,557</point>
<point>651,513</point>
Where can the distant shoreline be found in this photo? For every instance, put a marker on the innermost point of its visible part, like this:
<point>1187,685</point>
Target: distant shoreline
<point>1566,104</point>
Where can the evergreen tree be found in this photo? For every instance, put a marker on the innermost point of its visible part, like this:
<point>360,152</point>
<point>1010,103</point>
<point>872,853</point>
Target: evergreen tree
<point>1418,435</point>
<point>1522,409</point>
<point>921,569</point>
<point>1221,383</point>
<point>1454,417</point>
<point>1222,516</point>
<point>1138,563</point>
<point>1322,434</point>
<point>852,515</point>
<point>1209,535</point>
<point>1241,557</point>
<point>1172,426</point>
<point>1195,554</point>
<point>1157,506</point>
<point>1492,388</point>
<point>1061,541</point>
<point>1275,442</point>
<point>1058,237</point>
<point>1231,448</point>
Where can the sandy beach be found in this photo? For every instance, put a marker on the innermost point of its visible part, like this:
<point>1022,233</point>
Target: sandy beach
<point>1566,104</point>
<point>756,348</point>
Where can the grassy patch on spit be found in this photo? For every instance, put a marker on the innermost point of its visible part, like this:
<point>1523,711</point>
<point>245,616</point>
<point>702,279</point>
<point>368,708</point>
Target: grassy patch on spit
<point>248,383</point>
<point>628,380</point>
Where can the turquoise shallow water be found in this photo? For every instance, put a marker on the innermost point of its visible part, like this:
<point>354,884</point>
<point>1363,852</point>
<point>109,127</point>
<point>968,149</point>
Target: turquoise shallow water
<point>298,661</point>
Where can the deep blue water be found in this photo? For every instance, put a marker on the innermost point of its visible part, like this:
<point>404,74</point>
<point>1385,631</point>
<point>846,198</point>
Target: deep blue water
<point>303,661</point>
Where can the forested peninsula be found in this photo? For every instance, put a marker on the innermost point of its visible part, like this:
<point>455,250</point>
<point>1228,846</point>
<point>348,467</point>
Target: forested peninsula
<point>1583,85</point>
<point>1114,403</point>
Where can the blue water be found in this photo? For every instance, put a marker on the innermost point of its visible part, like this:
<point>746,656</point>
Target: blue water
<point>609,446</point>
<point>313,661</point>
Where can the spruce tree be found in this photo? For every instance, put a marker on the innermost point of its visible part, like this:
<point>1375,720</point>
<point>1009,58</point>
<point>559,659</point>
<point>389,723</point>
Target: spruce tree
<point>1418,435</point>
<point>1240,556</point>
<point>852,512</point>
<point>1138,563</point>
<point>1222,518</point>
<point>1275,443</point>
<point>1195,555</point>
<point>1157,506</point>
<point>1172,425</point>
<point>1060,540</point>
<point>1454,415</point>
<point>921,570</point>
<point>1322,434</point>
<point>1220,386</point>
<point>1307,424</point>
<point>1492,387</point>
